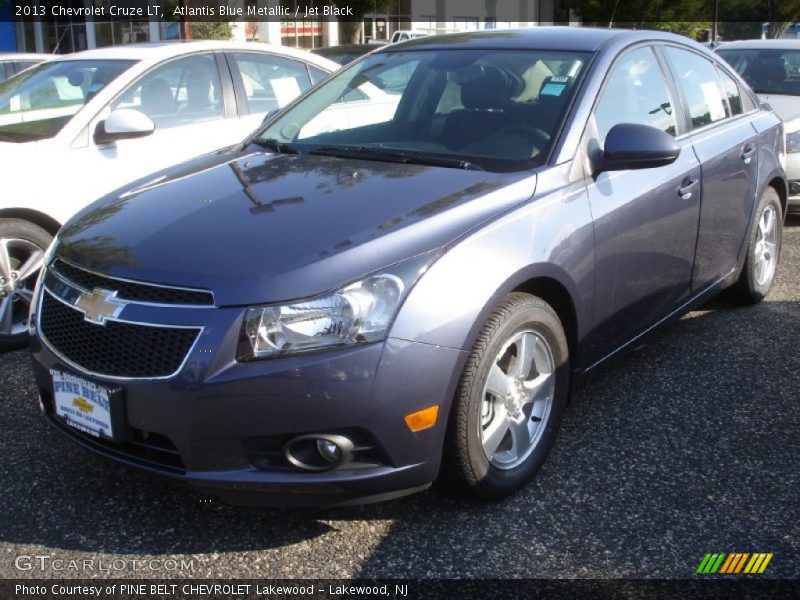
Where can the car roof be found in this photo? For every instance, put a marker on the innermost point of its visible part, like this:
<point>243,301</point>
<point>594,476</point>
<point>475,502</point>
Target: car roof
<point>156,51</point>
<point>345,48</point>
<point>579,39</point>
<point>24,56</point>
<point>765,44</point>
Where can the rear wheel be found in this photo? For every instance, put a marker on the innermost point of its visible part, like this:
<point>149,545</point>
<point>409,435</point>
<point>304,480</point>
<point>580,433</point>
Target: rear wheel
<point>763,250</point>
<point>510,400</point>
<point>22,249</point>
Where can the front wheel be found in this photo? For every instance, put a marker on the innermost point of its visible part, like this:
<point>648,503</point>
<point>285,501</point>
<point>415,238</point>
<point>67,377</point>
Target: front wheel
<point>763,250</point>
<point>22,249</point>
<point>510,400</point>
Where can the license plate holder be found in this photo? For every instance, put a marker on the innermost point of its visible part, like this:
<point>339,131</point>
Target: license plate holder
<point>92,408</point>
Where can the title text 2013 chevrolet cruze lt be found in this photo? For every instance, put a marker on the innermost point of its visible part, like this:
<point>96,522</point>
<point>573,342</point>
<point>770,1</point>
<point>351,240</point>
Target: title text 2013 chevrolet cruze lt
<point>335,312</point>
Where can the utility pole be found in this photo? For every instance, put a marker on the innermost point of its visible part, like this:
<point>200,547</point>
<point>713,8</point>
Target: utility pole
<point>714,23</point>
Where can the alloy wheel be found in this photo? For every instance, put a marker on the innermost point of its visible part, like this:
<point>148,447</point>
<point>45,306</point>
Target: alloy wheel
<point>20,262</point>
<point>517,399</point>
<point>765,249</point>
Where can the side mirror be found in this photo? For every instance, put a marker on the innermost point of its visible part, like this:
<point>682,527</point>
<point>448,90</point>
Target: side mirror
<point>634,146</point>
<point>123,124</point>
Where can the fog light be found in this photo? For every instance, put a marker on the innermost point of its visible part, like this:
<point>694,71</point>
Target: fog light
<point>319,452</point>
<point>329,451</point>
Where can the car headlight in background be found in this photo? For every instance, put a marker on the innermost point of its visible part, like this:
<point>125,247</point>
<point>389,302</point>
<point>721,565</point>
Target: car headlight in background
<point>793,142</point>
<point>357,313</point>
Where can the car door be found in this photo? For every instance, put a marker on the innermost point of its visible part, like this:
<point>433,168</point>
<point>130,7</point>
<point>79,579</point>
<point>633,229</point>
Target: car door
<point>645,220</point>
<point>190,102</point>
<point>726,145</point>
<point>264,82</point>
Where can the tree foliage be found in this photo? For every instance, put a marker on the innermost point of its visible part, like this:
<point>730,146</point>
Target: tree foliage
<point>211,30</point>
<point>736,18</point>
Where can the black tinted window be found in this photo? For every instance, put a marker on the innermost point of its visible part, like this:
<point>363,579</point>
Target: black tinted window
<point>701,88</point>
<point>767,70</point>
<point>635,93</point>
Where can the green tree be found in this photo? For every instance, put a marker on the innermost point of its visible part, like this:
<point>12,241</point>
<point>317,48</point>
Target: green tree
<point>736,18</point>
<point>211,30</point>
<point>743,18</point>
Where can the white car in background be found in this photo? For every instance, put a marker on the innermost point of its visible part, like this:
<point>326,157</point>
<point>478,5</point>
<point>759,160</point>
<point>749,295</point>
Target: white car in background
<point>12,63</point>
<point>81,125</point>
<point>772,69</point>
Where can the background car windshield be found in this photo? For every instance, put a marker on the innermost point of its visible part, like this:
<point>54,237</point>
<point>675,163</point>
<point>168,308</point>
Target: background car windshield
<point>39,102</point>
<point>498,110</point>
<point>768,71</point>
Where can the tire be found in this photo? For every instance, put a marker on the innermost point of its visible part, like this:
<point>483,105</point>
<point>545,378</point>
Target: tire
<point>480,460</point>
<point>763,250</point>
<point>22,248</point>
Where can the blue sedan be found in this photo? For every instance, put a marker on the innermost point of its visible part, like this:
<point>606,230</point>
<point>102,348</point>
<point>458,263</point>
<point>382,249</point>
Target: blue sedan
<point>402,276</point>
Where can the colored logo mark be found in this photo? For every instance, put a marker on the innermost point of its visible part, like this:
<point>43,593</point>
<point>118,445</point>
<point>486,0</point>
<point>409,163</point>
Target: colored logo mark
<point>82,405</point>
<point>723,563</point>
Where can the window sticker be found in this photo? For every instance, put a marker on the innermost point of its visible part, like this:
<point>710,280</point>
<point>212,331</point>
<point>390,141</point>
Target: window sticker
<point>714,100</point>
<point>552,89</point>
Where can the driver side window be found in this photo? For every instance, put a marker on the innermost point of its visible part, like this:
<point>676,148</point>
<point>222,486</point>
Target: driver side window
<point>183,91</point>
<point>635,92</point>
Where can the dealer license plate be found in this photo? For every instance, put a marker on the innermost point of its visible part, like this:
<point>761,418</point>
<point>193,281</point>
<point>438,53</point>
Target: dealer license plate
<point>84,405</point>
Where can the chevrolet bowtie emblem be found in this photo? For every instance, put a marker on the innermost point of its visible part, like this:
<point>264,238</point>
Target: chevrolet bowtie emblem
<point>99,305</point>
<point>82,405</point>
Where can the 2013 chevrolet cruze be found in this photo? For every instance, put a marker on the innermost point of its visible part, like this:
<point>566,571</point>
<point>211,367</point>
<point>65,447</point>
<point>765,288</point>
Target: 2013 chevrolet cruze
<point>335,312</point>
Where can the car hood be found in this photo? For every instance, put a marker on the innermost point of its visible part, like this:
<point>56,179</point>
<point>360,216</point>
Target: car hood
<point>263,227</point>
<point>786,107</point>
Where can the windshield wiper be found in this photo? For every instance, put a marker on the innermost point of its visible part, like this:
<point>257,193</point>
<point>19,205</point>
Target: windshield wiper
<point>276,146</point>
<point>389,155</point>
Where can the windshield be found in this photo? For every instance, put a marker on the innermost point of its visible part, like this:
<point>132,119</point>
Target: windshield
<point>490,109</point>
<point>37,103</point>
<point>767,70</point>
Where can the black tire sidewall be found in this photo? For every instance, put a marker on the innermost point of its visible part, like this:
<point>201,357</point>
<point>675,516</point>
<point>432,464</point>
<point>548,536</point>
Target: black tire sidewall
<point>528,314</point>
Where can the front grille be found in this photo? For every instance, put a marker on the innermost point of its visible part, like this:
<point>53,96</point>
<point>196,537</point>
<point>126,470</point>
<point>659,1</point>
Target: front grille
<point>129,290</point>
<point>114,349</point>
<point>145,448</point>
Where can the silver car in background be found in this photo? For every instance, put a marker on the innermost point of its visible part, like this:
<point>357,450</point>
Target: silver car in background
<point>772,68</point>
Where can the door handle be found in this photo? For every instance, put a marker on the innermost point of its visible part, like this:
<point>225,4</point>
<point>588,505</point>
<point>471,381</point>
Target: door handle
<point>685,192</point>
<point>747,153</point>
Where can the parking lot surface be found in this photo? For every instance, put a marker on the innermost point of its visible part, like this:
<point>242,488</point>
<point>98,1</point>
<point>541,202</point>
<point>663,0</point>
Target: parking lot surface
<point>688,445</point>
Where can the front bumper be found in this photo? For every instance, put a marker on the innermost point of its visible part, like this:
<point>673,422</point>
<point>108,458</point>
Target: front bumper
<point>219,425</point>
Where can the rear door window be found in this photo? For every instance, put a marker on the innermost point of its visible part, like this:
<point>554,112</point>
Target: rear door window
<point>270,82</point>
<point>697,78</point>
<point>733,94</point>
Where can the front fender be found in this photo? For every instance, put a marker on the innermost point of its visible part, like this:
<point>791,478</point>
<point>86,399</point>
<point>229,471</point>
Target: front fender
<point>550,237</point>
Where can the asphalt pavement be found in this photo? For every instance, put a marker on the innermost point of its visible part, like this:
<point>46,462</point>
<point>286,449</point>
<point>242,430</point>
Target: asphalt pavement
<point>688,445</point>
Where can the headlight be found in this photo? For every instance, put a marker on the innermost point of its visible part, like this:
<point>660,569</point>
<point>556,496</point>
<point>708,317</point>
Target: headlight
<point>793,142</point>
<point>360,312</point>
